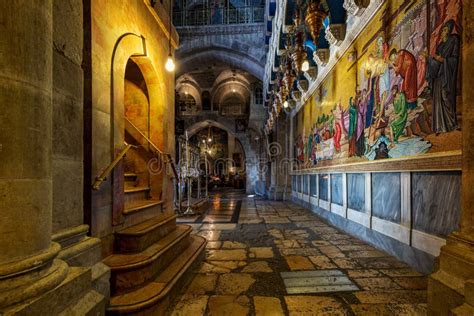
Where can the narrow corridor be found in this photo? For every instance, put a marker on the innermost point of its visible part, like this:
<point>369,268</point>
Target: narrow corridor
<point>277,258</point>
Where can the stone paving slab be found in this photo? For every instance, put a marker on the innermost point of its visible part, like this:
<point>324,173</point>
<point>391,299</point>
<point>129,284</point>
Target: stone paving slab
<point>277,258</point>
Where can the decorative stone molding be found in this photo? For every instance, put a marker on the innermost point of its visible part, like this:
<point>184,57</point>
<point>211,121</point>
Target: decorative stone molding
<point>296,95</point>
<point>356,7</point>
<point>312,73</point>
<point>303,86</point>
<point>335,34</point>
<point>321,56</point>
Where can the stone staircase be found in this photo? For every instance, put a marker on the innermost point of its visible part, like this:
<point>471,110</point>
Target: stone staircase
<point>150,256</point>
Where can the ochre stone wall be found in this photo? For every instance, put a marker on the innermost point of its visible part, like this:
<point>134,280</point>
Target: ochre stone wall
<point>121,30</point>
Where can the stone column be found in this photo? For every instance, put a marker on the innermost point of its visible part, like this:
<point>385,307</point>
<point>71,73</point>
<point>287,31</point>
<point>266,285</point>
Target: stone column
<point>279,188</point>
<point>451,287</point>
<point>27,265</point>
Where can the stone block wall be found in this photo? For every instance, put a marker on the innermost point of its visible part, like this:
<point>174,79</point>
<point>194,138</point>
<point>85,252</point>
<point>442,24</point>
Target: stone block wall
<point>67,115</point>
<point>118,31</point>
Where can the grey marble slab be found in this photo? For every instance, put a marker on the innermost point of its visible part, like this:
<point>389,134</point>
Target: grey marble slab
<point>306,184</point>
<point>436,202</point>
<point>323,187</point>
<point>417,259</point>
<point>356,191</point>
<point>337,189</point>
<point>386,196</point>
<point>313,185</point>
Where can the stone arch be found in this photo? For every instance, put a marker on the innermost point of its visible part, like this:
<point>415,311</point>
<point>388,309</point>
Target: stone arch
<point>234,59</point>
<point>251,163</point>
<point>133,46</point>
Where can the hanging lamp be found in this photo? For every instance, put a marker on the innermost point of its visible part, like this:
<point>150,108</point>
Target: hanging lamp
<point>170,66</point>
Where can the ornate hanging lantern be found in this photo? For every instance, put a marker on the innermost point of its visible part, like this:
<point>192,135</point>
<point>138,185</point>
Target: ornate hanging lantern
<point>288,79</point>
<point>299,54</point>
<point>314,19</point>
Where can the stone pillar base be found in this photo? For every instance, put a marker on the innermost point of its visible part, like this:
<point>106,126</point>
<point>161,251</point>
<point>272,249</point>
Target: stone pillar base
<point>73,296</point>
<point>450,286</point>
<point>45,285</point>
<point>279,193</point>
<point>80,250</point>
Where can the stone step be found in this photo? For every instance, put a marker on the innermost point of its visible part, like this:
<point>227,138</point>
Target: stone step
<point>155,297</point>
<point>133,193</point>
<point>100,279</point>
<point>91,304</point>
<point>141,236</point>
<point>137,206</point>
<point>130,178</point>
<point>131,270</point>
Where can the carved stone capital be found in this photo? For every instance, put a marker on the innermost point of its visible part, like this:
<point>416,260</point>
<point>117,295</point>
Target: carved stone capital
<point>356,7</point>
<point>321,56</point>
<point>312,73</point>
<point>296,95</point>
<point>303,85</point>
<point>335,33</point>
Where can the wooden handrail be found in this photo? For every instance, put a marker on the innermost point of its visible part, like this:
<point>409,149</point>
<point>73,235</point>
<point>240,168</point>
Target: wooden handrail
<point>103,175</point>
<point>161,153</point>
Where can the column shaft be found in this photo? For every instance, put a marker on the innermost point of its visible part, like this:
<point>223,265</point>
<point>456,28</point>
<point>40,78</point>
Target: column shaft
<point>25,123</point>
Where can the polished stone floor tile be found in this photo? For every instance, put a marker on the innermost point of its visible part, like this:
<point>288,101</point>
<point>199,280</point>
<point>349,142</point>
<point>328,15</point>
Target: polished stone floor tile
<point>277,258</point>
<point>267,306</point>
<point>234,283</point>
<point>314,305</point>
<point>191,305</point>
<point>229,305</point>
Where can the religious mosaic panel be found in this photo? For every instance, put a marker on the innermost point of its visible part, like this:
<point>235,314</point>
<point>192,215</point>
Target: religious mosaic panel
<point>395,92</point>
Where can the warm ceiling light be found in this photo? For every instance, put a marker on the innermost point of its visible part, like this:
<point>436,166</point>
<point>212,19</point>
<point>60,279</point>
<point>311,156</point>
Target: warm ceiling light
<point>209,140</point>
<point>285,104</point>
<point>305,66</point>
<point>170,64</point>
<point>233,90</point>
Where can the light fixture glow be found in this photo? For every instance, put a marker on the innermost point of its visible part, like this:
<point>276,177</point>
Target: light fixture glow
<point>285,104</point>
<point>233,90</point>
<point>305,66</point>
<point>170,64</point>
<point>209,140</point>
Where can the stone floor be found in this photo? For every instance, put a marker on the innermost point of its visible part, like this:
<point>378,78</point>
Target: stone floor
<point>264,250</point>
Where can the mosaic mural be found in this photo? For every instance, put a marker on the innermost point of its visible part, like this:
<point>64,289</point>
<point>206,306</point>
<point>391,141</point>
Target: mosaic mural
<point>394,93</point>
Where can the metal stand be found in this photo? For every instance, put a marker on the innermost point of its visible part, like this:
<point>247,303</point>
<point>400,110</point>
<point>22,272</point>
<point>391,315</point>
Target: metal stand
<point>189,210</point>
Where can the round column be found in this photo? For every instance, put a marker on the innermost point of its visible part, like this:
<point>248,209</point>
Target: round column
<point>25,152</point>
<point>25,138</point>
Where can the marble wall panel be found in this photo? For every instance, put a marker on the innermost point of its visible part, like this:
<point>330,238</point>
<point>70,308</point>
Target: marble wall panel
<point>337,189</point>
<point>323,187</point>
<point>386,196</point>
<point>305,184</point>
<point>436,202</point>
<point>356,191</point>
<point>313,185</point>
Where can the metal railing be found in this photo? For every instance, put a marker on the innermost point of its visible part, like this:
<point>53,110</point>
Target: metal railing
<point>105,173</point>
<point>168,158</point>
<point>219,16</point>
